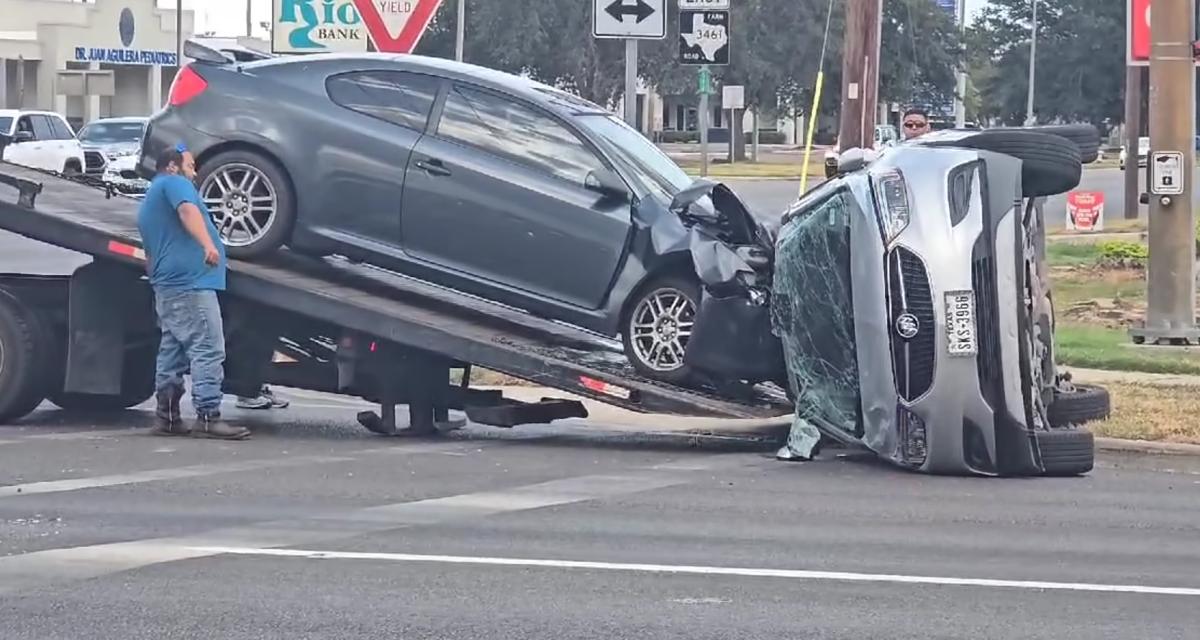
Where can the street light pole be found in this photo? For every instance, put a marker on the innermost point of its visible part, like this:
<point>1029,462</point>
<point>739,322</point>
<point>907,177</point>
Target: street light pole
<point>960,105</point>
<point>1032,66</point>
<point>178,35</point>
<point>460,36</point>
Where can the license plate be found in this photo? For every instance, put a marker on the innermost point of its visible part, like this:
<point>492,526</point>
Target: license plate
<point>960,323</point>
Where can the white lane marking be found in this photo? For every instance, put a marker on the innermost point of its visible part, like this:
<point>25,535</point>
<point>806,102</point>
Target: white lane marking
<point>91,434</point>
<point>794,574</point>
<point>199,470</point>
<point>39,568</point>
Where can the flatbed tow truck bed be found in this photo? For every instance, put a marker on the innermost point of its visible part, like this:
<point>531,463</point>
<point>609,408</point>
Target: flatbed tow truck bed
<point>340,307</point>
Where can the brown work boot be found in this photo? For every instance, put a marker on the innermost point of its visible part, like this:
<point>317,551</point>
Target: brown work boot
<point>211,426</point>
<point>167,414</point>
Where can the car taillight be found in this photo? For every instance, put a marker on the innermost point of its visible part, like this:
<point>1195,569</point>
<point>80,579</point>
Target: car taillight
<point>187,85</point>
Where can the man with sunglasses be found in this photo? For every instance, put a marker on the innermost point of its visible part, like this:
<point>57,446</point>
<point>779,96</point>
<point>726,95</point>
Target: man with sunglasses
<point>915,123</point>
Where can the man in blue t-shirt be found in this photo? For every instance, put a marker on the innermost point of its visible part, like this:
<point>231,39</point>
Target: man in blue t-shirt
<point>186,263</point>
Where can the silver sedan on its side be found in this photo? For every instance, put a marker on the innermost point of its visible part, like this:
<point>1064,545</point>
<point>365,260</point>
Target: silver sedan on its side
<point>904,295</point>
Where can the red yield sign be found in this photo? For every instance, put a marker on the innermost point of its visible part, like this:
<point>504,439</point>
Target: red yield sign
<point>396,26</point>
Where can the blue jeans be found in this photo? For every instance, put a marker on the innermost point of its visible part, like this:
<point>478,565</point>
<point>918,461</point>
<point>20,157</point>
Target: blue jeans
<point>193,338</point>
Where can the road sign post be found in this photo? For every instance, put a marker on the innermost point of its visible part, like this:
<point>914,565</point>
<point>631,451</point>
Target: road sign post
<point>630,20</point>
<point>733,97</point>
<point>705,88</point>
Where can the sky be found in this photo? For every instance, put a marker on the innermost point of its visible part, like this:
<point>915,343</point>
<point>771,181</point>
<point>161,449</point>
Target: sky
<point>228,17</point>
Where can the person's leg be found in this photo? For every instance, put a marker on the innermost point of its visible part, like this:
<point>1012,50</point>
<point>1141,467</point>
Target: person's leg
<point>204,339</point>
<point>170,366</point>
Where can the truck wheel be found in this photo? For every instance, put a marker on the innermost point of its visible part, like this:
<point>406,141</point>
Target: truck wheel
<point>1067,452</point>
<point>658,326</point>
<point>22,362</point>
<point>1050,164</point>
<point>1084,403</point>
<point>251,202</point>
<point>137,386</point>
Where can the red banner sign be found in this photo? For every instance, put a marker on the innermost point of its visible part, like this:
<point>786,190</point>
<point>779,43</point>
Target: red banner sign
<point>1138,32</point>
<point>1085,210</point>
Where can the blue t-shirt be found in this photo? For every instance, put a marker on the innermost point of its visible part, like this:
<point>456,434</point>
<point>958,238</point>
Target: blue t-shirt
<point>176,259</point>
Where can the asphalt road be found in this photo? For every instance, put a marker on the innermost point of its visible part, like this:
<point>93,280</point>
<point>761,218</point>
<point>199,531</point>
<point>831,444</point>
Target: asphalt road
<point>315,529</point>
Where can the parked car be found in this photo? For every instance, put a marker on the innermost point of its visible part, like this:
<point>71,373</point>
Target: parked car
<point>485,182</point>
<point>913,308</point>
<point>41,140</point>
<point>110,147</point>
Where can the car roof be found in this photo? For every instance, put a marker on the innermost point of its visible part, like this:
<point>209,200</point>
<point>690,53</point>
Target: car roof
<point>519,86</point>
<point>121,120</point>
<point>12,113</point>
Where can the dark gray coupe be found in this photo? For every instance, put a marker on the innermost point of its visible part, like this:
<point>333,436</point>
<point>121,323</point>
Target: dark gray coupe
<point>484,182</point>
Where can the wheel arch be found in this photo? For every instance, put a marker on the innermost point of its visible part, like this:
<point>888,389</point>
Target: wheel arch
<point>677,263</point>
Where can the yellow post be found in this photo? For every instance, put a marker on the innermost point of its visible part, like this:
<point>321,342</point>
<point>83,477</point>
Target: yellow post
<point>812,128</point>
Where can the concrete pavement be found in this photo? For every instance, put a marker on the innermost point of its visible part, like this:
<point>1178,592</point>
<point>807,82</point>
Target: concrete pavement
<point>316,529</point>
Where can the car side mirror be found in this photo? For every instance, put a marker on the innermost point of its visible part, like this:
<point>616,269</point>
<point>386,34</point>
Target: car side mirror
<point>22,136</point>
<point>607,184</point>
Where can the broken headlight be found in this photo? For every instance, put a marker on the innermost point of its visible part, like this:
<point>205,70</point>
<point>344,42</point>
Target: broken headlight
<point>891,200</point>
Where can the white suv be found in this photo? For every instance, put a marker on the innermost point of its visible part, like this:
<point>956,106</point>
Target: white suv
<point>42,140</point>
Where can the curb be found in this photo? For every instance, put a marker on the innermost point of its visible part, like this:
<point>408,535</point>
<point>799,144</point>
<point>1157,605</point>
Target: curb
<point>1117,445</point>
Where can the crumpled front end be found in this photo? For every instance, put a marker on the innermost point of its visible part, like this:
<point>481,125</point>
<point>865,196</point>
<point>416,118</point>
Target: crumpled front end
<point>733,256</point>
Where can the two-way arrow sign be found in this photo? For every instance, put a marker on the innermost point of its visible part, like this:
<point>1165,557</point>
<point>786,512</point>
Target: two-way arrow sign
<point>639,10</point>
<point>629,19</point>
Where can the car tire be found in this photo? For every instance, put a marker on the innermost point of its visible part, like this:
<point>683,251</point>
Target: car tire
<point>1084,403</point>
<point>274,228</point>
<point>1051,163</point>
<point>640,310</point>
<point>1085,136</point>
<point>22,359</point>
<point>1067,452</point>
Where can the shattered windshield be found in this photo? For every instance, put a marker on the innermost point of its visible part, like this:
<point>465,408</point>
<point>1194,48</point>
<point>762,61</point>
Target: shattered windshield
<point>812,311</point>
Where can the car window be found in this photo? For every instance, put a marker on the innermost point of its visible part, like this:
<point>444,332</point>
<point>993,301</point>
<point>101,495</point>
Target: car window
<point>41,128</point>
<point>6,124</point>
<point>516,132</point>
<point>112,132</point>
<point>59,128</point>
<point>25,123</point>
<point>400,98</point>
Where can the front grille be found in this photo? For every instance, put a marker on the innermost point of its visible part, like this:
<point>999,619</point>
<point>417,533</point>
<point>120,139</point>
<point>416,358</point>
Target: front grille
<point>987,319</point>
<point>909,293</point>
<point>93,162</point>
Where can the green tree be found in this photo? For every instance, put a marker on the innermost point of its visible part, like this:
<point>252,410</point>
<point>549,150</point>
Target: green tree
<point>1080,55</point>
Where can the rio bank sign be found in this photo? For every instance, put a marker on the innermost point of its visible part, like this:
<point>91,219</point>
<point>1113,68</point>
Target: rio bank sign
<point>314,26</point>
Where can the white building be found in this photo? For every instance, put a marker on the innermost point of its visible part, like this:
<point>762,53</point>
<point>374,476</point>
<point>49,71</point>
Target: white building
<point>47,45</point>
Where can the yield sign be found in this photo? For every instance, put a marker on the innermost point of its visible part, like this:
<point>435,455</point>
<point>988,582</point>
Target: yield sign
<point>396,26</point>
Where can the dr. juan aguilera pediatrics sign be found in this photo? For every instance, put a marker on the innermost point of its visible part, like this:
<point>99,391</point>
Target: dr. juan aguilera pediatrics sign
<point>316,26</point>
<point>126,30</point>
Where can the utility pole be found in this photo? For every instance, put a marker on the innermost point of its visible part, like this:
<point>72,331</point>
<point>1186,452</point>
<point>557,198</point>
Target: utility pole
<point>1032,66</point>
<point>1171,288</point>
<point>460,35</point>
<point>960,89</point>
<point>860,73</point>
<point>1134,75</point>
<point>249,19</point>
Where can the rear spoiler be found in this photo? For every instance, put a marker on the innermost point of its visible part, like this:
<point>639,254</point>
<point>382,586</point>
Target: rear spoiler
<point>204,53</point>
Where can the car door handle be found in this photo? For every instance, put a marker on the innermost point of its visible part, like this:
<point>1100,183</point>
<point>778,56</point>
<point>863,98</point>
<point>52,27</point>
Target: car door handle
<point>433,167</point>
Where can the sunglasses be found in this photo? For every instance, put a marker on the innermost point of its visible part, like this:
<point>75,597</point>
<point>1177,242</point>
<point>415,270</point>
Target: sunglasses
<point>915,125</point>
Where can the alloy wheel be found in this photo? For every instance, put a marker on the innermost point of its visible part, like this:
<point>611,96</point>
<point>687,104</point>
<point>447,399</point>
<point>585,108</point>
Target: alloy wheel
<point>660,327</point>
<point>242,201</point>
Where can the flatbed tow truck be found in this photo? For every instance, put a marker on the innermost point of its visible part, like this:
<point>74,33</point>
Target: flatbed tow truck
<point>87,341</point>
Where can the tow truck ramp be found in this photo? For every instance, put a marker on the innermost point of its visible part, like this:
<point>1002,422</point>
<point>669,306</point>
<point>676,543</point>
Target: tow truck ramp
<point>344,327</point>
